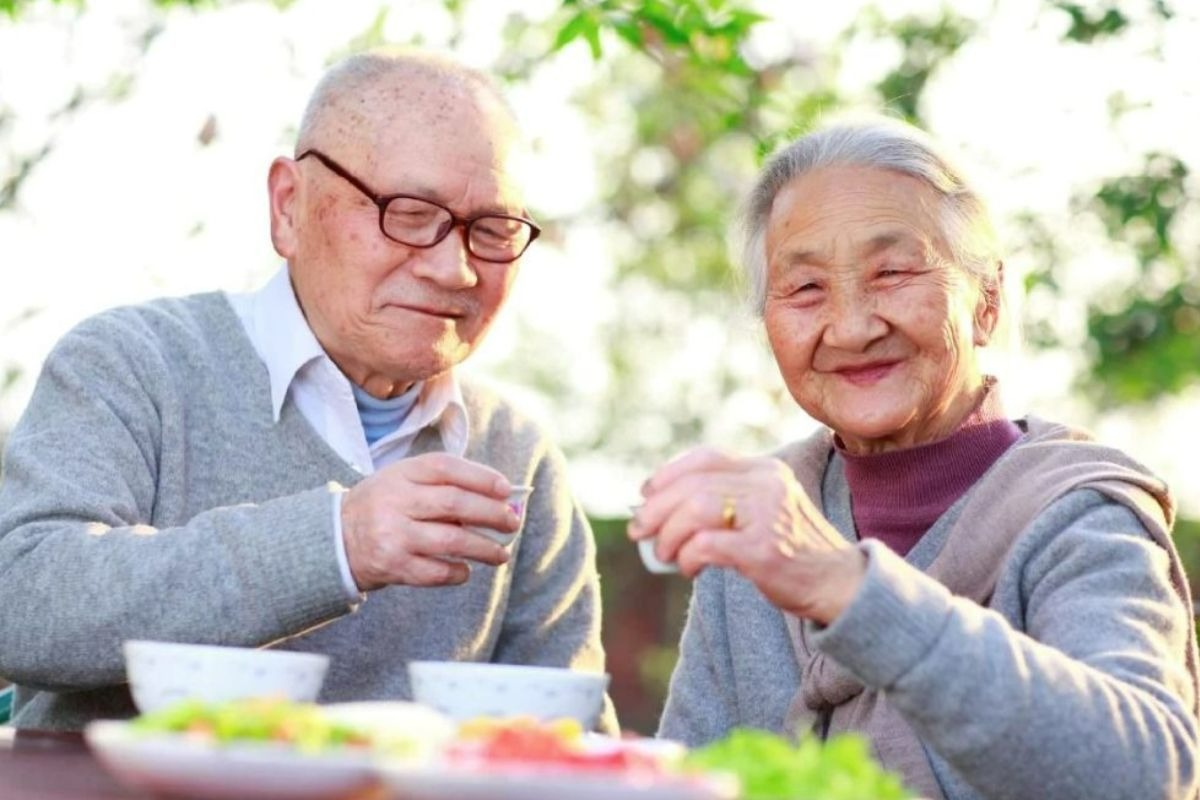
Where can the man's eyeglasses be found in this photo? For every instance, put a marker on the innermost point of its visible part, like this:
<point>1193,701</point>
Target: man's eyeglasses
<point>417,222</point>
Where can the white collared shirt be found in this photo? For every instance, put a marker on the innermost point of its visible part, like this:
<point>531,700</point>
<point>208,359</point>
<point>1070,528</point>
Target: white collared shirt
<point>299,366</point>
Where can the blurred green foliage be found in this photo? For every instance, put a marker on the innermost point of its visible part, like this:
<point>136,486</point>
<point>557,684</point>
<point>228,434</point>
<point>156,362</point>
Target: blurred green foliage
<point>1088,25</point>
<point>1146,332</point>
<point>704,32</point>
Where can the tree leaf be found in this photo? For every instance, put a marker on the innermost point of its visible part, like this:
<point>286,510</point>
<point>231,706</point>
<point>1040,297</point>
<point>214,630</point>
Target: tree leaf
<point>592,34</point>
<point>571,31</point>
<point>1087,26</point>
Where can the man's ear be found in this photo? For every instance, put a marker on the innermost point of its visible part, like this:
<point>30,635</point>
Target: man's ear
<point>987,311</point>
<point>283,185</point>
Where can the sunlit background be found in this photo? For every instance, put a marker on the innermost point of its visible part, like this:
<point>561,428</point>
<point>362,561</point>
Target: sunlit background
<point>135,138</point>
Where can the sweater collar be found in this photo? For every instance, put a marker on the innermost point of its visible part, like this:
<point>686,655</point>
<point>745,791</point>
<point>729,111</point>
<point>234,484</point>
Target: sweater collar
<point>285,340</point>
<point>929,475</point>
<point>287,345</point>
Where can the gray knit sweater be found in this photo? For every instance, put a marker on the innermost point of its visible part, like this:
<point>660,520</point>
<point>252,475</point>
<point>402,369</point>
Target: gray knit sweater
<point>148,493</point>
<point>1070,684</point>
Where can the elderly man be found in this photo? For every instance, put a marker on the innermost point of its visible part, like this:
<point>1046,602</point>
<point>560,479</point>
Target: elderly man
<point>301,467</point>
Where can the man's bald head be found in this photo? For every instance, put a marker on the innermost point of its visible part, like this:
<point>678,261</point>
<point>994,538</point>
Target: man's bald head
<point>367,93</point>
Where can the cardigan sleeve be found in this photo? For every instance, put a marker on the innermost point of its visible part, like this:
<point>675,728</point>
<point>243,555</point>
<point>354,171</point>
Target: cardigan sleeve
<point>83,568</point>
<point>1092,700</point>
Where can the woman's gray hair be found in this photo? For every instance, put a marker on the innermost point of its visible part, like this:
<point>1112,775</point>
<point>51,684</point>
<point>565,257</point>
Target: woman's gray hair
<point>879,143</point>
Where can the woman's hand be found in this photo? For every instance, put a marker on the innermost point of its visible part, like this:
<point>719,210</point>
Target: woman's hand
<point>711,509</point>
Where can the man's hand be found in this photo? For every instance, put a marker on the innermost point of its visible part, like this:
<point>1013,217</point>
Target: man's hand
<point>405,524</point>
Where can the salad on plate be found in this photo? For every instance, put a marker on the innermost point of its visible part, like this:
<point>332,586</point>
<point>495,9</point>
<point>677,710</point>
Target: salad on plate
<point>521,757</point>
<point>275,748</point>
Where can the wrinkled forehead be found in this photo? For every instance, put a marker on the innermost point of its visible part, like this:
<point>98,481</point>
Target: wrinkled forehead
<point>855,207</point>
<point>437,139</point>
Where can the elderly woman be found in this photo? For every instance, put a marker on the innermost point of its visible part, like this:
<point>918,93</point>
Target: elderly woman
<point>995,603</point>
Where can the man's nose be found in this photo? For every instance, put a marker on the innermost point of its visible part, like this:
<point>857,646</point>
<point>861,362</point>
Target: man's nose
<point>448,262</point>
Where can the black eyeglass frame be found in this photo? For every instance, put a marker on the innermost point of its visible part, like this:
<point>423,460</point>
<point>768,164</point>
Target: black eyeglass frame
<point>382,201</point>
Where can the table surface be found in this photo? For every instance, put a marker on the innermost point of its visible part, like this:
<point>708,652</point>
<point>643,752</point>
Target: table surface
<point>38,765</point>
<point>53,766</point>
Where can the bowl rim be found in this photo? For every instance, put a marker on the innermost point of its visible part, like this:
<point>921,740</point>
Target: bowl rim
<point>220,650</point>
<point>538,671</point>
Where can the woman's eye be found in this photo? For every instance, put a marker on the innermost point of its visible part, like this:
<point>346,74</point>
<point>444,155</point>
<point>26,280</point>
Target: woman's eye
<point>806,293</point>
<point>797,288</point>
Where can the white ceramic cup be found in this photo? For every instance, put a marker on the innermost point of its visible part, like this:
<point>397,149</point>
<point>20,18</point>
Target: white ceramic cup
<point>518,498</point>
<point>646,550</point>
<point>652,562</point>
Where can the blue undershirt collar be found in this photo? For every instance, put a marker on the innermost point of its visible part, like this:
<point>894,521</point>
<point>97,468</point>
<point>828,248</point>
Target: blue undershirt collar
<point>381,417</point>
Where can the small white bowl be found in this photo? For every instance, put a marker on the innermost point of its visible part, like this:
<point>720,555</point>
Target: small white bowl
<point>163,673</point>
<point>463,690</point>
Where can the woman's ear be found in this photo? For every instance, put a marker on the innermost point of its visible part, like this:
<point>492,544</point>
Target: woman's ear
<point>283,183</point>
<point>987,311</point>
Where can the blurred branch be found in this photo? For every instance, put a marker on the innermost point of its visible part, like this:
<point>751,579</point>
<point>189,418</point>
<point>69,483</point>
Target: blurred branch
<point>926,44</point>
<point>20,173</point>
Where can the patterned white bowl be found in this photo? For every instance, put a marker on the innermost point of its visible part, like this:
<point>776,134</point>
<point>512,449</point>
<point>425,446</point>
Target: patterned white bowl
<point>162,673</point>
<point>463,690</point>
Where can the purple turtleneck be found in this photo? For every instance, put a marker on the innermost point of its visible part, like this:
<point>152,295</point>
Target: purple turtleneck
<point>896,496</point>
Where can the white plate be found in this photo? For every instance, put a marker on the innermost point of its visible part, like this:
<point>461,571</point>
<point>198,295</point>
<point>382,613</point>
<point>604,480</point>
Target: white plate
<point>412,783</point>
<point>513,782</point>
<point>174,765</point>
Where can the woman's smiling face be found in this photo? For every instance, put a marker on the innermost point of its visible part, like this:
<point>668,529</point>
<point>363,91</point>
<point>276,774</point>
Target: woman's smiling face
<point>873,327</point>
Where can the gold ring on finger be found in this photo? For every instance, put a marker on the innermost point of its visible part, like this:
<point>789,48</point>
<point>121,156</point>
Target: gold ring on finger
<point>729,512</point>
